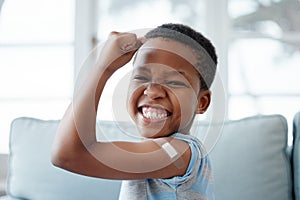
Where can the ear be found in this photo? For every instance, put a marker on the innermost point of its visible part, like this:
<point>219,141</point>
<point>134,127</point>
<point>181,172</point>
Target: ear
<point>204,98</point>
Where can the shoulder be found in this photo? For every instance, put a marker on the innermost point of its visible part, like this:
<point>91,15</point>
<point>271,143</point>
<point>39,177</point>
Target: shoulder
<point>199,165</point>
<point>192,141</point>
<point>198,158</point>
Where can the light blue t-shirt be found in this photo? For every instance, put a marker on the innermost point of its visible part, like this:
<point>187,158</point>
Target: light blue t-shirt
<point>196,183</point>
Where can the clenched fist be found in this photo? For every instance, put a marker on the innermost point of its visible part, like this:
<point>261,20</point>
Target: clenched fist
<point>118,50</point>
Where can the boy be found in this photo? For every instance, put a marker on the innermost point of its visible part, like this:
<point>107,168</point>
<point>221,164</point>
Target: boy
<point>174,67</point>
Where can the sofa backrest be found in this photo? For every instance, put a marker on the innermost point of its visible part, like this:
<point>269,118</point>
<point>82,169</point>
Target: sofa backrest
<point>249,162</point>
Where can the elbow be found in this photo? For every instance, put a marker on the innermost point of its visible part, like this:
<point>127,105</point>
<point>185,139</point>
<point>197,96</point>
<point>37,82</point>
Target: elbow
<point>67,160</point>
<point>60,159</point>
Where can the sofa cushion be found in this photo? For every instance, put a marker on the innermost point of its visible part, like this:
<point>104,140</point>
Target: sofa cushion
<point>296,154</point>
<point>32,176</point>
<point>250,160</point>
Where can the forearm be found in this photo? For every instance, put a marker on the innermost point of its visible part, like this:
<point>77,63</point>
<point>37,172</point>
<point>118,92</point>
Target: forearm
<point>85,104</point>
<point>76,131</point>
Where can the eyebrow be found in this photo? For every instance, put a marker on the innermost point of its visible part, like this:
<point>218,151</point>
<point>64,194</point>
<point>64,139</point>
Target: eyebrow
<point>175,73</point>
<point>170,73</point>
<point>142,68</point>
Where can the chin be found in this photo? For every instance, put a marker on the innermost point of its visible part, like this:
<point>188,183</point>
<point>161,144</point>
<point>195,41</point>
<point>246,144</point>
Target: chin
<point>154,132</point>
<point>149,133</point>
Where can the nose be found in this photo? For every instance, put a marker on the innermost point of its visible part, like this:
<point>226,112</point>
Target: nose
<point>155,91</point>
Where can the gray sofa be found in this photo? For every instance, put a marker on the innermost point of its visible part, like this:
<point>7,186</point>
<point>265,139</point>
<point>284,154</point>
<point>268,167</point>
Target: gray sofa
<point>251,161</point>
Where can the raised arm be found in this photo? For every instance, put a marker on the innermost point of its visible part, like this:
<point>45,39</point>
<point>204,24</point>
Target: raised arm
<point>75,146</point>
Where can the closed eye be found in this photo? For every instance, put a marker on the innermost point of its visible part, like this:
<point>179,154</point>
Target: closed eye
<point>140,78</point>
<point>176,84</point>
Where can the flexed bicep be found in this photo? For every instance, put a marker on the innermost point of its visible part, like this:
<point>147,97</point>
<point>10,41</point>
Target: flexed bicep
<point>128,160</point>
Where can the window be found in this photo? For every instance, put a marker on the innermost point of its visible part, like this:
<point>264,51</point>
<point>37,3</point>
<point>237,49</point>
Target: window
<point>36,65</point>
<point>264,56</point>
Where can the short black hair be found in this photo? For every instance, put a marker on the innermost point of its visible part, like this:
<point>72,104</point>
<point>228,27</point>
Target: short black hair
<point>207,59</point>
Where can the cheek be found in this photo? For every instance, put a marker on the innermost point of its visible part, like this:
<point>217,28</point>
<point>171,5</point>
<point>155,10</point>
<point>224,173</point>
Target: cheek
<point>133,95</point>
<point>187,104</point>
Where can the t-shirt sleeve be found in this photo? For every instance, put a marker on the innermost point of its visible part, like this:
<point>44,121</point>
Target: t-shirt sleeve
<point>192,170</point>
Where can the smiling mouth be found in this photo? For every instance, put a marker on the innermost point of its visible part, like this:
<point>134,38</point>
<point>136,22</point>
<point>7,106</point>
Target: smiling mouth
<point>154,113</point>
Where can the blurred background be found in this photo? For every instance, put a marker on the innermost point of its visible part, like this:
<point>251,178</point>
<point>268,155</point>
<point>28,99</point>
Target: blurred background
<point>44,42</point>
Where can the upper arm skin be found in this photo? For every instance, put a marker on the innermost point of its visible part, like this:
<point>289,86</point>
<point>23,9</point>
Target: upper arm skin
<point>128,160</point>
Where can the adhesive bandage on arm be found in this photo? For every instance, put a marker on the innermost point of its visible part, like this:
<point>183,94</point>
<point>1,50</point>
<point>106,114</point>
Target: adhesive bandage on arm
<point>169,149</point>
<point>171,152</point>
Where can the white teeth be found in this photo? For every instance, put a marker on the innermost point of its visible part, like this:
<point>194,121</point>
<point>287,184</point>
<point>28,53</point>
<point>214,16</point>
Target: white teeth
<point>153,115</point>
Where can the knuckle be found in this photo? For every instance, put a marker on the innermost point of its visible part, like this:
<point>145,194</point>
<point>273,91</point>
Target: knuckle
<point>113,33</point>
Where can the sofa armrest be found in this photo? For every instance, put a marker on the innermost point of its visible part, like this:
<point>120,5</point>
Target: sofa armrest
<point>3,173</point>
<point>296,154</point>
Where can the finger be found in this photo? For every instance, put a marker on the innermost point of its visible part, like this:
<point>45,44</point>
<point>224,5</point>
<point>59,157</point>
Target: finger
<point>114,33</point>
<point>135,43</point>
<point>129,42</point>
<point>142,39</point>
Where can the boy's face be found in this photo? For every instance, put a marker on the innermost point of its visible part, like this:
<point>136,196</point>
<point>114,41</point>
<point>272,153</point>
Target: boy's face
<point>164,93</point>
